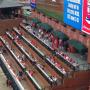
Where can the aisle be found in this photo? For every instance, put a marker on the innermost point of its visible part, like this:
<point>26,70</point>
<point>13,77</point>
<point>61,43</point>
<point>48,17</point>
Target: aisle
<point>3,79</point>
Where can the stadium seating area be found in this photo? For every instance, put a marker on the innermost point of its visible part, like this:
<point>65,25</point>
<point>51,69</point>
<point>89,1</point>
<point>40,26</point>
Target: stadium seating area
<point>32,61</point>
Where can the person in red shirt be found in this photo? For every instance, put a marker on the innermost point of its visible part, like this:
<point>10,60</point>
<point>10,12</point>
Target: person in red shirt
<point>1,44</point>
<point>5,36</point>
<point>21,32</point>
<point>14,34</point>
<point>31,72</point>
<point>53,59</point>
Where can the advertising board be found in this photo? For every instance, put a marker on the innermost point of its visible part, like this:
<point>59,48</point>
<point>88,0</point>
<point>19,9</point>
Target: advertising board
<point>73,13</point>
<point>86,17</point>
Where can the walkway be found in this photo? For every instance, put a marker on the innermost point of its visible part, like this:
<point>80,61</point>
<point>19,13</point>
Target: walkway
<point>3,81</point>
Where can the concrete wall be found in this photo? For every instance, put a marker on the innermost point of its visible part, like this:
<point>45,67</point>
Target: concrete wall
<point>80,81</point>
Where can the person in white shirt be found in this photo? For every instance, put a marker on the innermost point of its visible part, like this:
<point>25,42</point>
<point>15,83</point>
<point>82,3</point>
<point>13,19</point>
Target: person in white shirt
<point>63,70</point>
<point>23,57</point>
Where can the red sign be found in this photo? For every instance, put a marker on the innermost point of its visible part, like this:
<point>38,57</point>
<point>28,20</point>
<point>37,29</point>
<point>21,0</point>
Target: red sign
<point>86,17</point>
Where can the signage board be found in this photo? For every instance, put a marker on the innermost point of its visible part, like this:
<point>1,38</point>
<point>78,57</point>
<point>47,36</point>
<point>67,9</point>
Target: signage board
<point>73,13</point>
<point>77,14</point>
<point>33,4</point>
<point>86,17</point>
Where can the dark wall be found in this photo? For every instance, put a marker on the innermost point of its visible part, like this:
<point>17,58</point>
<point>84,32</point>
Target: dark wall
<point>8,24</point>
<point>80,81</point>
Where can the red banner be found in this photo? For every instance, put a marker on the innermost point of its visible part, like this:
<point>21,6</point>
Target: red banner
<point>86,17</point>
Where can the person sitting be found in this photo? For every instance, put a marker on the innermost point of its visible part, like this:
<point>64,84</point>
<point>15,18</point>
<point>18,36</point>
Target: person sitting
<point>9,82</point>
<point>13,33</point>
<point>40,30</point>
<point>1,44</point>
<point>23,57</point>
<point>33,42</point>
<point>55,79</point>
<point>5,36</point>
<point>21,33</point>
<point>63,54</point>
<point>43,66</point>
<point>34,62</point>
<point>34,32</point>
<point>17,37</point>
<point>31,72</point>
<point>20,74</point>
<point>61,43</point>
<point>67,57</point>
<point>53,59</point>
<point>4,51</point>
<point>63,70</point>
<point>57,64</point>
<point>71,60</point>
